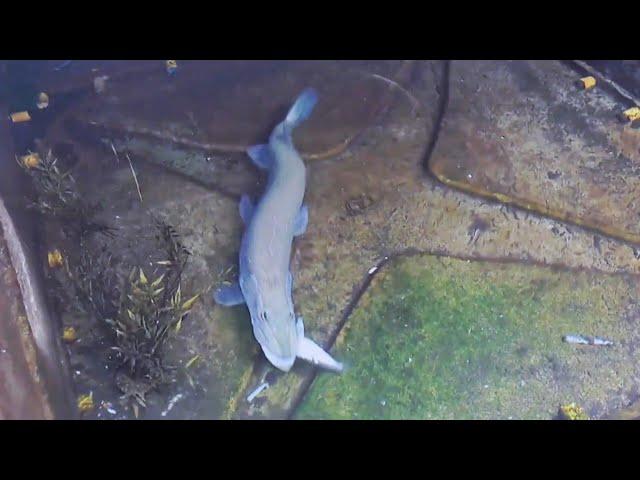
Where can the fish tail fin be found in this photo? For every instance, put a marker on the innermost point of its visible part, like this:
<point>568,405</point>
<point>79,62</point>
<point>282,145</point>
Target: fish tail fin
<point>302,108</point>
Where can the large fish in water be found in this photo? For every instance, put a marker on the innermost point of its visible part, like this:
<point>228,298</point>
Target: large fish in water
<point>265,282</point>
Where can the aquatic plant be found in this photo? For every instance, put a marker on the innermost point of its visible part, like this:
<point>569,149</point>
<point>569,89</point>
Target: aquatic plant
<point>58,196</point>
<point>137,313</point>
<point>149,310</point>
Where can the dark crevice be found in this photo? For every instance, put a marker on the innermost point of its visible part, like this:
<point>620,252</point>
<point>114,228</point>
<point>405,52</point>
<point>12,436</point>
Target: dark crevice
<point>443,91</point>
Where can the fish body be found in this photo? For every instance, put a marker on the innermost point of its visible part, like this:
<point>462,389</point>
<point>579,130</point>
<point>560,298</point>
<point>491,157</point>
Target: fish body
<point>265,282</point>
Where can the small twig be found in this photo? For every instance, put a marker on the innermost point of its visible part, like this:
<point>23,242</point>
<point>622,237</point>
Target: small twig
<point>263,386</point>
<point>135,178</point>
<point>415,103</point>
<point>114,152</point>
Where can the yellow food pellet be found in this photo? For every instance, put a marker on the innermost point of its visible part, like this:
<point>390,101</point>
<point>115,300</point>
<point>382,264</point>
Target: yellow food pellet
<point>69,334</point>
<point>632,114</point>
<point>588,82</point>
<point>85,403</point>
<point>31,160</point>
<point>55,258</point>
<point>19,117</point>
<point>43,101</point>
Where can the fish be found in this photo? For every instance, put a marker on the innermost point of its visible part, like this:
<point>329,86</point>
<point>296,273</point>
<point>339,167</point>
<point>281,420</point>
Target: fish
<point>265,282</point>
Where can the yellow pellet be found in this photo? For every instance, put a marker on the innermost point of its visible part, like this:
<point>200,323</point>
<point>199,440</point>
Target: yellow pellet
<point>19,117</point>
<point>588,82</point>
<point>55,259</point>
<point>32,160</point>
<point>632,114</point>
<point>69,334</point>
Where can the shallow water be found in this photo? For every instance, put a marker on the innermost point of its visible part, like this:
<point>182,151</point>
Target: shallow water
<point>463,218</point>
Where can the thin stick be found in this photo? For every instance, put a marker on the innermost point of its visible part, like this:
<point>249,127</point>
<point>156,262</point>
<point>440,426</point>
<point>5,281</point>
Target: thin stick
<point>415,103</point>
<point>135,178</point>
<point>114,152</point>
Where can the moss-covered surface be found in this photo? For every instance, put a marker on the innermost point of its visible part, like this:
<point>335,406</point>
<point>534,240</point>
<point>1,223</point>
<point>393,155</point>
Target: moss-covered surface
<point>444,338</point>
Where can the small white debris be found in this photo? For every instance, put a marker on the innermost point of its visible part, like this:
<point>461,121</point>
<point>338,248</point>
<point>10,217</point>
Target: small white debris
<point>108,406</point>
<point>100,84</point>
<point>257,391</point>
<point>372,270</point>
<point>585,340</point>
<point>172,402</point>
<point>383,402</point>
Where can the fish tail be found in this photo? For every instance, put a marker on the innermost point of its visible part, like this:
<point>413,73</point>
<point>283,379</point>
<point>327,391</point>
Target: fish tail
<point>302,108</point>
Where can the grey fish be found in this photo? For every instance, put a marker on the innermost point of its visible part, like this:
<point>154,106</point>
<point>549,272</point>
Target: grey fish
<point>265,282</point>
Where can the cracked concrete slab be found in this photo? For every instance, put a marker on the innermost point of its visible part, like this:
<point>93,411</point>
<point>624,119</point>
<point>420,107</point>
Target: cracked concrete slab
<point>371,202</point>
<point>522,133</point>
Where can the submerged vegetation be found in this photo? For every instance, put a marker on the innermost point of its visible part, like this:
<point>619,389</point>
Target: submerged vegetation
<point>136,311</point>
<point>438,337</point>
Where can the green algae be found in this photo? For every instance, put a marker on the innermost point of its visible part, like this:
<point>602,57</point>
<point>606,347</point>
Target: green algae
<point>446,338</point>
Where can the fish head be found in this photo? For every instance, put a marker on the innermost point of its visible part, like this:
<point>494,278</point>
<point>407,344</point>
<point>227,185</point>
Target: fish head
<point>275,330</point>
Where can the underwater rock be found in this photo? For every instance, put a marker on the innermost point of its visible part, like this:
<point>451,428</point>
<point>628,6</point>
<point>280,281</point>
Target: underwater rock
<point>443,338</point>
<point>510,123</point>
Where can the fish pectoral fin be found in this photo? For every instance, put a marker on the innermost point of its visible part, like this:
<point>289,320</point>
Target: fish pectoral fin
<point>229,296</point>
<point>261,155</point>
<point>246,209</point>
<point>301,221</point>
<point>311,352</point>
